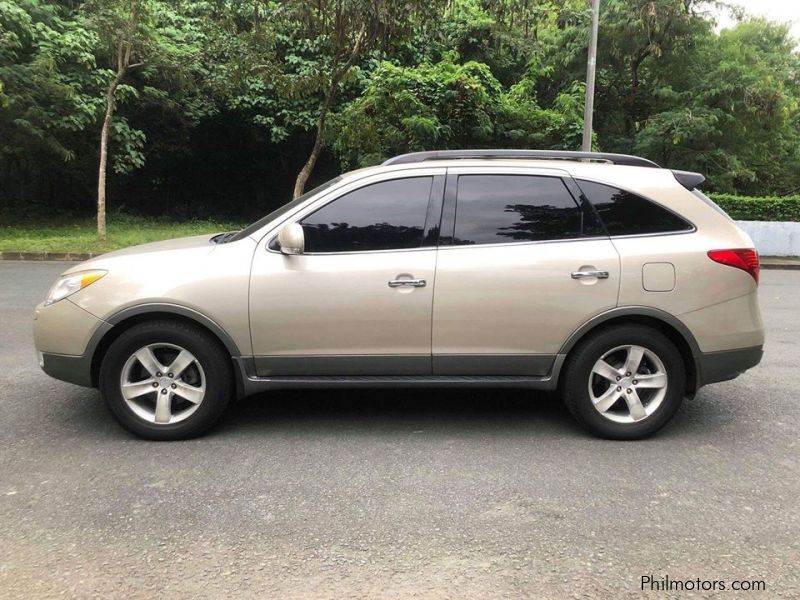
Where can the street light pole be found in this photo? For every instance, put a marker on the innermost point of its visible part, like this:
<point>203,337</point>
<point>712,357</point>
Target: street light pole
<point>588,107</point>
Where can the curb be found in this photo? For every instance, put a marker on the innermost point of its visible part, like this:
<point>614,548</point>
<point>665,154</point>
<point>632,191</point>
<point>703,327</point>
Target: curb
<point>771,262</point>
<point>63,256</point>
<point>789,265</point>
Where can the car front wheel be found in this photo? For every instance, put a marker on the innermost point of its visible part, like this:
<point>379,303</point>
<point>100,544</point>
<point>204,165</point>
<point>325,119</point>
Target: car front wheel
<point>624,382</point>
<point>166,380</point>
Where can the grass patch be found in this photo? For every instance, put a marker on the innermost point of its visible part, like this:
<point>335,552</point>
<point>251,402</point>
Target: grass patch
<point>80,235</point>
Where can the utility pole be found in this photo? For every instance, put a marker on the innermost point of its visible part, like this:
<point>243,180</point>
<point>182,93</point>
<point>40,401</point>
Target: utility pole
<point>588,107</point>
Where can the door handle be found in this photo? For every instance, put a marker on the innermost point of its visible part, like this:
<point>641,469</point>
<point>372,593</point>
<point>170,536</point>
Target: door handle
<point>409,282</point>
<point>582,274</point>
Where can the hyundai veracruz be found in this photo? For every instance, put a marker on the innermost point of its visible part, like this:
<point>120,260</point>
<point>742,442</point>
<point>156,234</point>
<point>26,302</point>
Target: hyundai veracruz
<point>602,276</point>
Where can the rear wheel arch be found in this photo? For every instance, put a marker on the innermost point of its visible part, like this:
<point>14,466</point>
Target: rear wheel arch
<point>124,320</point>
<point>667,324</point>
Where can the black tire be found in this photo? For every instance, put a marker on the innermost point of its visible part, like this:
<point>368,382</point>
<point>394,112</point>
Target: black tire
<point>212,357</point>
<point>576,376</point>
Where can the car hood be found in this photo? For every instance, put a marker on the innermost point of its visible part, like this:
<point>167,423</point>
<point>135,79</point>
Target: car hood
<point>167,250</point>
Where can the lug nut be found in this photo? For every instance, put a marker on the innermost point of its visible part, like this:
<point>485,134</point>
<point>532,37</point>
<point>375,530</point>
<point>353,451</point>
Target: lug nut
<point>169,375</point>
<point>174,385</point>
<point>155,384</point>
<point>618,377</point>
<point>164,390</point>
<point>635,382</point>
<point>629,390</point>
<point>619,389</point>
<point>628,374</point>
<point>158,374</point>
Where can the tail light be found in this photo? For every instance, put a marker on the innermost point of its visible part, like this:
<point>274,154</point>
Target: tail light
<point>745,259</point>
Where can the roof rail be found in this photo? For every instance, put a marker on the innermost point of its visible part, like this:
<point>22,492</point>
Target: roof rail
<point>617,159</point>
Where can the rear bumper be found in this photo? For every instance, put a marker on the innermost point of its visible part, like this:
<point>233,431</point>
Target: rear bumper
<point>721,366</point>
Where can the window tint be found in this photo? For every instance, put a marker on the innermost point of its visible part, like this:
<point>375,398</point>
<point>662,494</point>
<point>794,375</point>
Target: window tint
<point>496,209</point>
<point>383,216</point>
<point>624,213</point>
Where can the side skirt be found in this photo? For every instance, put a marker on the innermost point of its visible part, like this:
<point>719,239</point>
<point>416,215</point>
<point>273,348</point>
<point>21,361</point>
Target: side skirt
<point>250,384</point>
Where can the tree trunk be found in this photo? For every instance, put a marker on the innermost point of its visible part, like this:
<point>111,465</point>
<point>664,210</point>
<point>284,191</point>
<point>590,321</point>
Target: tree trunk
<point>124,49</point>
<point>305,172</point>
<point>336,77</point>
<point>101,175</point>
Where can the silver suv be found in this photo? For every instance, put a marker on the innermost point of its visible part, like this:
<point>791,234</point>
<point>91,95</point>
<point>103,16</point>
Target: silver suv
<point>601,276</point>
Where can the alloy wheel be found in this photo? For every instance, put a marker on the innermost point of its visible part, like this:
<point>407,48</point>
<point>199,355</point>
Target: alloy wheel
<point>628,384</point>
<point>163,383</point>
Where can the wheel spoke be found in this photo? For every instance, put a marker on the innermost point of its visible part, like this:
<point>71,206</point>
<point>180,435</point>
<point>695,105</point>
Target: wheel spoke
<point>606,371</point>
<point>149,361</point>
<point>635,405</point>
<point>178,366</point>
<point>656,380</point>
<point>635,354</point>
<point>189,392</point>
<point>607,400</point>
<point>138,388</point>
<point>163,408</point>
<point>166,383</point>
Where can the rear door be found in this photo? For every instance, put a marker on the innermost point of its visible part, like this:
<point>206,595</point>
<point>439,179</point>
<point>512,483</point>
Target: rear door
<point>522,263</point>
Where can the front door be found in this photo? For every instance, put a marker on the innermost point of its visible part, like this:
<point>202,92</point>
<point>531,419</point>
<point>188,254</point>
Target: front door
<point>523,263</point>
<point>358,301</point>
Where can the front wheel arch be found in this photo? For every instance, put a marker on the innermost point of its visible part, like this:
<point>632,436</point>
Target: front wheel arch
<point>131,319</point>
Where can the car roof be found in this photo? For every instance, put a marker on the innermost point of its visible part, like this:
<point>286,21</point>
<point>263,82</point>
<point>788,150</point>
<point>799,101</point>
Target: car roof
<point>600,165</point>
<point>579,169</point>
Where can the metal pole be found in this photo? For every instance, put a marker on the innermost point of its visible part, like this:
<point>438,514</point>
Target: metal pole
<point>588,107</point>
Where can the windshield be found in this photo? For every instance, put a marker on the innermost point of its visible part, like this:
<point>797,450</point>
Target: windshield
<point>253,227</point>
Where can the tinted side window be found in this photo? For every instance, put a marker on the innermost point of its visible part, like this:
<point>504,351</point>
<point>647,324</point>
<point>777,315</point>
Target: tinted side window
<point>625,213</point>
<point>389,215</point>
<point>496,209</point>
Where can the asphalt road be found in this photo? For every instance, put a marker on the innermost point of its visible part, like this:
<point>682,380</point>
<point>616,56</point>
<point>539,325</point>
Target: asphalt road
<point>395,494</point>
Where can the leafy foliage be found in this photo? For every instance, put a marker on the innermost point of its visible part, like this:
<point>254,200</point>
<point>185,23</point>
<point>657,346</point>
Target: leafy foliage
<point>224,109</point>
<point>768,208</point>
<point>449,104</point>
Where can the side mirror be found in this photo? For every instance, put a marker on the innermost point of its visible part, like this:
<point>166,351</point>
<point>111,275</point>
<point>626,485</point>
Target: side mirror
<point>291,239</point>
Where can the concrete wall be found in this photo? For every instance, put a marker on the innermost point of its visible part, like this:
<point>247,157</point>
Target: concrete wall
<point>774,238</point>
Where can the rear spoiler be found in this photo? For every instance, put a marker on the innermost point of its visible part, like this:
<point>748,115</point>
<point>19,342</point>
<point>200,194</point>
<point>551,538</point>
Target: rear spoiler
<point>688,179</point>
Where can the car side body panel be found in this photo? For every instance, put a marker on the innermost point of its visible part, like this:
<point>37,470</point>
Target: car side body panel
<point>518,299</point>
<point>331,314</point>
<point>197,275</point>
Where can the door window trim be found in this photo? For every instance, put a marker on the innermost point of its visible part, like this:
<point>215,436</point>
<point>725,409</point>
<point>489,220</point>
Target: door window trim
<point>432,217</point>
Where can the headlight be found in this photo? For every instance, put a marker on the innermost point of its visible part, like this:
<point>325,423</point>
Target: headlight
<point>69,284</point>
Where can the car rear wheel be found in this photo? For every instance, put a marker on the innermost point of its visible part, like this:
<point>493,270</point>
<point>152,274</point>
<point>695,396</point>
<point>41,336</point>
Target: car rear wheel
<point>166,380</point>
<point>624,382</point>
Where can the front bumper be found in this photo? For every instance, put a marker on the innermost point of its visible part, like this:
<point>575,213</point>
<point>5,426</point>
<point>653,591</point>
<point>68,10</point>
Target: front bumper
<point>72,369</point>
<point>721,366</point>
<point>65,337</point>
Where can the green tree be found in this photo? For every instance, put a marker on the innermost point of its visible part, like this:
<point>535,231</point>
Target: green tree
<point>734,112</point>
<point>324,42</point>
<point>49,91</point>
<point>450,105</point>
<point>124,29</point>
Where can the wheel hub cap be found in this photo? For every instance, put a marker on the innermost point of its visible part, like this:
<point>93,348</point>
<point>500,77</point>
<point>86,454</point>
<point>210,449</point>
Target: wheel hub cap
<point>628,384</point>
<point>163,383</point>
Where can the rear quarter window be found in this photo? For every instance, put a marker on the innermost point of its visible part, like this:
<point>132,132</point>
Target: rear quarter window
<point>626,213</point>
